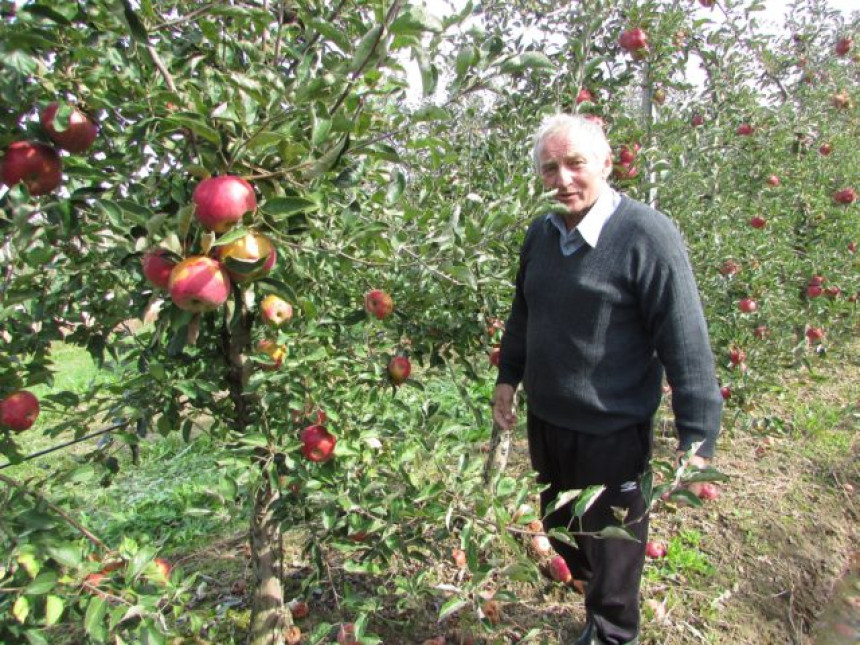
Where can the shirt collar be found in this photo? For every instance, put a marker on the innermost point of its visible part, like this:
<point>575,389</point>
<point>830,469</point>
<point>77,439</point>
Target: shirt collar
<point>592,224</point>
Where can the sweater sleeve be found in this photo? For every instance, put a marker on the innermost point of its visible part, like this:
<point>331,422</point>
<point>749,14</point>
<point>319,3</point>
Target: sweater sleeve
<point>512,359</point>
<point>673,315</point>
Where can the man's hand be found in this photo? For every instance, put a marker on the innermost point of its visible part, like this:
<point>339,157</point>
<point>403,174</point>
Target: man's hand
<point>503,406</point>
<point>694,462</point>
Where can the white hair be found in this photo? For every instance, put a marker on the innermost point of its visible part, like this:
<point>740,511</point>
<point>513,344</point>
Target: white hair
<point>587,133</point>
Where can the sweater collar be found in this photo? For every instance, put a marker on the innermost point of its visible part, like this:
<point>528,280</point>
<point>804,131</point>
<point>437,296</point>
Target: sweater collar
<point>592,224</point>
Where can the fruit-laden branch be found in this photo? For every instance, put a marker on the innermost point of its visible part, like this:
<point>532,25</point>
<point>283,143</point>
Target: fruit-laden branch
<point>70,520</point>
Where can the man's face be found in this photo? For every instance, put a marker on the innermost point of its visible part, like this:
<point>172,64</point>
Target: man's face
<point>577,176</point>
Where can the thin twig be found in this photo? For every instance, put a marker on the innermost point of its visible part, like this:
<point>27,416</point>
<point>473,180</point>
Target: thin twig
<point>70,520</point>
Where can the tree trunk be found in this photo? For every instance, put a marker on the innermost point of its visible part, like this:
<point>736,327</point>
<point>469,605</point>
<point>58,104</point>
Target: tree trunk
<point>270,617</point>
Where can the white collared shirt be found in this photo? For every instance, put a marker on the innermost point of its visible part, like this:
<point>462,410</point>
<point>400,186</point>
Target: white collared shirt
<point>589,229</point>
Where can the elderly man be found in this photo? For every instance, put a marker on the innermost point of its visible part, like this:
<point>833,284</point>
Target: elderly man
<point>605,302</point>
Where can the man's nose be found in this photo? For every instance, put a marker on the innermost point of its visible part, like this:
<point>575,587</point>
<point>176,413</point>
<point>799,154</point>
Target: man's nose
<point>564,176</point>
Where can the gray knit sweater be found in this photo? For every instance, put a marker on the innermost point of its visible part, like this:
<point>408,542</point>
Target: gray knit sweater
<point>589,335</point>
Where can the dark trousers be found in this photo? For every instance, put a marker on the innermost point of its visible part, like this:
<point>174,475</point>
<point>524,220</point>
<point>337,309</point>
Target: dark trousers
<point>612,568</point>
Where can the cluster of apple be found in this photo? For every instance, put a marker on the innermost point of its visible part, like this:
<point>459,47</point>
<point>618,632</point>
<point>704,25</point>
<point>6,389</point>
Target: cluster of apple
<point>202,283</point>
<point>380,304</point>
<point>37,165</point>
<point>19,410</point>
<point>624,167</point>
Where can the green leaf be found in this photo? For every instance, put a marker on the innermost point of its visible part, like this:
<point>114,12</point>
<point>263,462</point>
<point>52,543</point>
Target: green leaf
<point>94,620</point>
<point>69,555</point>
<point>54,607</point>
<point>432,113</point>
<point>616,532</point>
<point>44,583</point>
<point>329,159</point>
<point>21,609</point>
<point>588,497</point>
<point>45,11</point>
<point>196,125</point>
<point>415,20</point>
<point>452,606</point>
<point>365,48</point>
<point>138,31</point>
<point>287,205</point>
<point>529,60</point>
<point>466,57</point>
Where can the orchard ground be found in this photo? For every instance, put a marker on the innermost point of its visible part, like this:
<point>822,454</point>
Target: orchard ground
<point>757,565</point>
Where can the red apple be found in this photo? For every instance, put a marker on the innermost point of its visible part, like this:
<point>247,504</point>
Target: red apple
<point>843,46</point>
<point>495,354</point>
<point>729,268</point>
<point>814,290</point>
<point>275,310</point>
<point>19,410</point>
<point>708,491</point>
<point>626,156</point>
<point>707,4</point>
<point>199,284</point>
<point>852,247</point>
<point>772,180</point>
<point>77,137</point>
<point>584,96</point>
<point>157,265</point>
<point>747,305</point>
<point>317,443</point>
<point>299,608</point>
<point>346,635</point>
<point>246,256</point>
<point>37,165</point>
<point>399,369</point>
<point>833,292</point>
<point>761,332</point>
<point>845,196</point>
<point>726,392</point>
<point>221,201</point>
<point>816,280</point>
<point>757,221</point>
<point>745,130</point>
<point>655,550</point>
<point>558,570</point>
<point>378,303</point>
<point>737,356</point>
<point>825,149</point>
<point>697,119</point>
<point>814,333</point>
<point>633,40</point>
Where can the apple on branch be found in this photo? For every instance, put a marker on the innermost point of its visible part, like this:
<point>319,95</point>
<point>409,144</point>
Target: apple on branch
<point>157,265</point>
<point>199,284</point>
<point>250,257</point>
<point>221,201</point>
<point>378,303</point>
<point>399,369</point>
<point>317,443</point>
<point>77,136</point>
<point>275,310</point>
<point>34,164</point>
<point>19,410</point>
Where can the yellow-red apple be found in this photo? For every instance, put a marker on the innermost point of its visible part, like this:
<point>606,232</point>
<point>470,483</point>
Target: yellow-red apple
<point>157,265</point>
<point>378,303</point>
<point>77,137</point>
<point>199,284</point>
<point>244,257</point>
<point>19,410</point>
<point>399,369</point>
<point>275,310</point>
<point>36,165</point>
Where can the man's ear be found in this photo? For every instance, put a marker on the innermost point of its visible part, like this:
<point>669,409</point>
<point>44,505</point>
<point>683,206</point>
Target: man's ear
<point>607,166</point>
